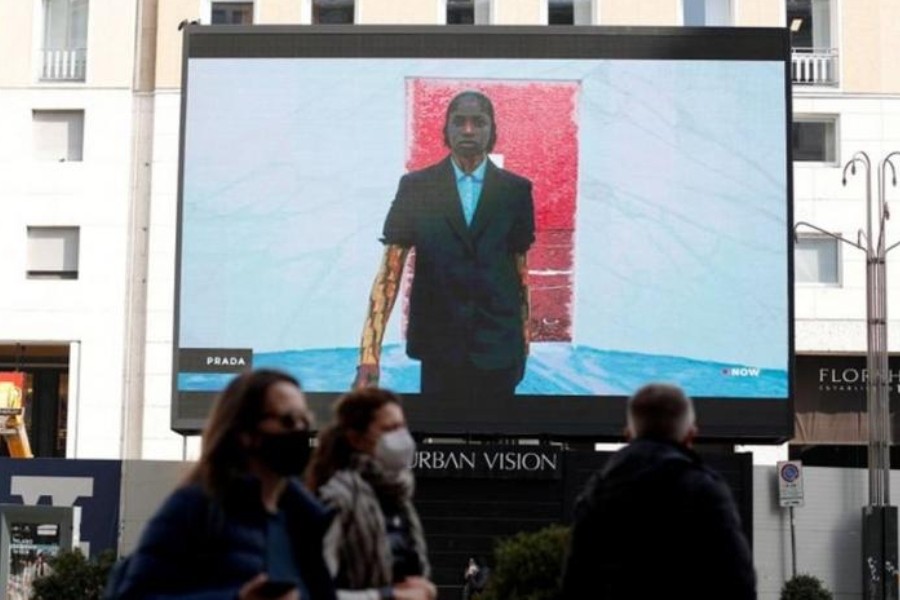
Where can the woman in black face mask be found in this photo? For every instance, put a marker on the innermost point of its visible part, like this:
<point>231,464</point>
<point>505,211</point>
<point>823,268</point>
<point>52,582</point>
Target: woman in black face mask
<point>362,467</point>
<point>241,526</point>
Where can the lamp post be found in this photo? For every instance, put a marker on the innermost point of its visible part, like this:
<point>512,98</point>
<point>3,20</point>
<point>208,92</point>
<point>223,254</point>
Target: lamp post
<point>879,518</point>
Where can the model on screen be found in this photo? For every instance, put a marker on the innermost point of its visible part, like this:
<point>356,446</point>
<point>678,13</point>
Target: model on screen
<point>471,224</point>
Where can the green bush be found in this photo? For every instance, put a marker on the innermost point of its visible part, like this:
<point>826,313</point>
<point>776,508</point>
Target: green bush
<point>804,587</point>
<point>72,576</point>
<point>529,566</point>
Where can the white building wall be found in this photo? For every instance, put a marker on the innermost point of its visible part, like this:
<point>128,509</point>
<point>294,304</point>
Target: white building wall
<point>832,318</point>
<point>93,195</point>
<point>828,530</point>
<point>160,442</point>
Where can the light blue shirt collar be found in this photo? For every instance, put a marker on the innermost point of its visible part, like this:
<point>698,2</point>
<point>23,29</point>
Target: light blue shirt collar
<point>477,174</point>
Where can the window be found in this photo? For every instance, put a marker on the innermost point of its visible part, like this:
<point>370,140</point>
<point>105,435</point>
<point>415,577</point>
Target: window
<point>58,135</point>
<point>52,253</point>
<point>46,391</point>
<point>460,12</point>
<point>810,24</point>
<point>64,53</point>
<point>561,12</point>
<point>231,13</point>
<point>569,12</point>
<point>333,11</point>
<point>814,59</point>
<point>817,260</point>
<point>814,139</point>
<point>699,13</point>
<point>468,12</point>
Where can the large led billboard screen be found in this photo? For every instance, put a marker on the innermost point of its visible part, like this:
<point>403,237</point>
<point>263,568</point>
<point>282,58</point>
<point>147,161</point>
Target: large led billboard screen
<point>636,193</point>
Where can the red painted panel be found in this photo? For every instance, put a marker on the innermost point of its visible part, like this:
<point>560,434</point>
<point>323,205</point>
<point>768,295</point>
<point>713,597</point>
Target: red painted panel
<point>537,136</point>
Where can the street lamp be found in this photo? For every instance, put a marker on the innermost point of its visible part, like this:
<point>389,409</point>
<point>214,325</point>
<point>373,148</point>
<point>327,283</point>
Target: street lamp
<point>879,517</point>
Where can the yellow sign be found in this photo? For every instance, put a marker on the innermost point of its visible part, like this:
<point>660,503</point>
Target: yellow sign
<point>12,414</point>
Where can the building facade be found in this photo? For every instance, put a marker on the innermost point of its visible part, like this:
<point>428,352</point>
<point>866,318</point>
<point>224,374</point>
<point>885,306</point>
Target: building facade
<point>89,165</point>
<point>89,139</point>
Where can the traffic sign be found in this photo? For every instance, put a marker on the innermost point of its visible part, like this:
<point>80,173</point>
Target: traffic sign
<point>790,483</point>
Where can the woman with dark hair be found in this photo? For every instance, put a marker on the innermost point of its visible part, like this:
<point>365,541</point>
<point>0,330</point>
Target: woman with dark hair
<point>362,467</point>
<point>241,526</point>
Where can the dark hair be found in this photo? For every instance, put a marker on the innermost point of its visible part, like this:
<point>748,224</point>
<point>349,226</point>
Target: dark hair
<point>354,411</point>
<point>486,105</point>
<point>660,411</point>
<point>237,410</point>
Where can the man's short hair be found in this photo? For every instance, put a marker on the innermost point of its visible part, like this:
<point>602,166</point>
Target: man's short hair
<point>486,105</point>
<point>660,411</point>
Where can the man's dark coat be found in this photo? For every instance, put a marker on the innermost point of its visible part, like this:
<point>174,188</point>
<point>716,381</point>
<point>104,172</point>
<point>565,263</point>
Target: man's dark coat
<point>656,523</point>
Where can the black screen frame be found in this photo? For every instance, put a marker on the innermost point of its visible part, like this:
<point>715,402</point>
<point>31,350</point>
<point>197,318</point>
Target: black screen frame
<point>756,420</point>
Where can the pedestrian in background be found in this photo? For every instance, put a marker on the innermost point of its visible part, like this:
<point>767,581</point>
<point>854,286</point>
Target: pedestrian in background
<point>362,467</point>
<point>655,522</point>
<point>476,578</point>
<point>242,525</point>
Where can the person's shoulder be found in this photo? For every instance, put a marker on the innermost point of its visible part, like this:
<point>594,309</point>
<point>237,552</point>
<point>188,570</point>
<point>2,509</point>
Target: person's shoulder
<point>429,173</point>
<point>701,480</point>
<point>186,497</point>
<point>184,509</point>
<point>655,452</point>
<point>663,462</point>
<point>303,499</point>
<point>511,178</point>
<point>342,488</point>
<point>307,507</point>
<point>187,506</point>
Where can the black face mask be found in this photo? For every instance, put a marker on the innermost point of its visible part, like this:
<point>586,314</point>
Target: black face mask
<point>285,453</point>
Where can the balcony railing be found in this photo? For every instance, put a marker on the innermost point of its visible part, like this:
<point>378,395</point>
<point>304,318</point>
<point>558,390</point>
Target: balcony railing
<point>63,65</point>
<point>814,66</point>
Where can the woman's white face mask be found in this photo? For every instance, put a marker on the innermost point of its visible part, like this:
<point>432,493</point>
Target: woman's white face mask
<point>395,450</point>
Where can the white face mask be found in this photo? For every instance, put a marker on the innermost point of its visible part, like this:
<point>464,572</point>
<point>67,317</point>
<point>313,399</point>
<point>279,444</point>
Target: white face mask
<point>395,450</point>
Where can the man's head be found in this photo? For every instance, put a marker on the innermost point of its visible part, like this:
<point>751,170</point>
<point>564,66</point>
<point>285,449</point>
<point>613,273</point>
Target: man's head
<point>661,411</point>
<point>469,128</point>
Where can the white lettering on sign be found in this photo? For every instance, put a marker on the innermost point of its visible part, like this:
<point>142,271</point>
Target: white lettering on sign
<point>437,459</point>
<point>491,461</point>
<point>850,379</point>
<point>741,371</point>
<point>63,491</point>
<point>226,361</point>
<point>850,376</point>
<point>515,461</point>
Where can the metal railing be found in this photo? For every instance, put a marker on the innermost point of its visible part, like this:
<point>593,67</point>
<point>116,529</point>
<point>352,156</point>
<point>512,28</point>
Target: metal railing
<point>68,64</point>
<point>814,66</point>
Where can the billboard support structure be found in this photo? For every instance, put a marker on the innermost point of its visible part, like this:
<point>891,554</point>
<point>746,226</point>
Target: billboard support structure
<point>880,549</point>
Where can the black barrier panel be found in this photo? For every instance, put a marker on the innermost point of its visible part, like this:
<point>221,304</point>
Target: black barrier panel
<point>465,514</point>
<point>879,555</point>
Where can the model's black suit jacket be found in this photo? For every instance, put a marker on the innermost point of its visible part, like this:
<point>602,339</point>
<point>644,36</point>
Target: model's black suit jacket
<point>466,299</point>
